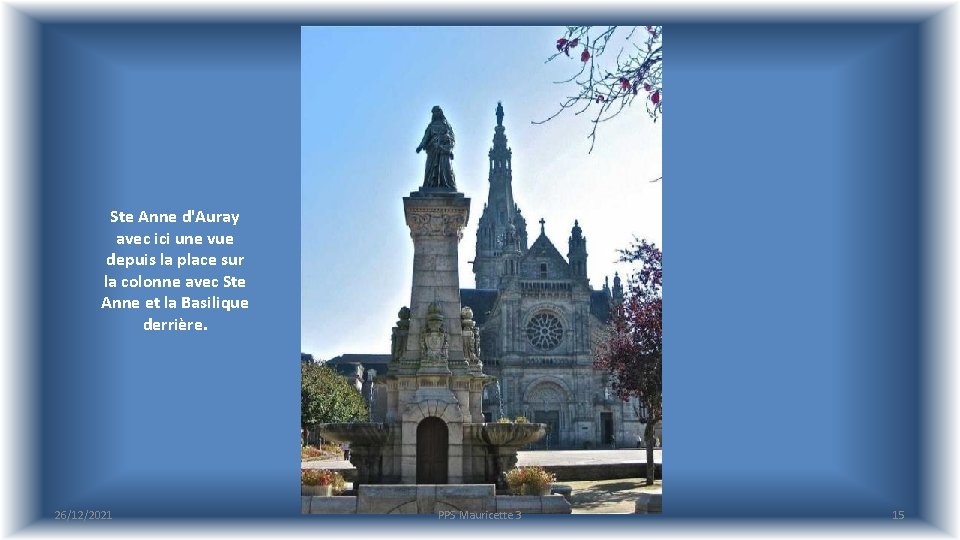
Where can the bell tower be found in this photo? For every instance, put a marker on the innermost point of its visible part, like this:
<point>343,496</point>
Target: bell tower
<point>499,213</point>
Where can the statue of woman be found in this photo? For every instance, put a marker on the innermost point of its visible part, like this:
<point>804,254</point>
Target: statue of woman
<point>438,141</point>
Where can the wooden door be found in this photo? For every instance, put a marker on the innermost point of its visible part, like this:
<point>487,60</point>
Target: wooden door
<point>432,443</point>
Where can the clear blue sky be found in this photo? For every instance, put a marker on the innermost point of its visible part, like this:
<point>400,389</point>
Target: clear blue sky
<point>365,101</point>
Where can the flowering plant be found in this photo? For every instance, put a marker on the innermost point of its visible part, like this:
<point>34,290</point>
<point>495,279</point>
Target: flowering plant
<point>520,420</point>
<point>308,452</point>
<point>321,477</point>
<point>529,480</point>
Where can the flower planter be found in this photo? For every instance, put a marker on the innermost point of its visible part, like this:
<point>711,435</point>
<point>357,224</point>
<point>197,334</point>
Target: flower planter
<point>541,491</point>
<point>317,491</point>
<point>319,482</point>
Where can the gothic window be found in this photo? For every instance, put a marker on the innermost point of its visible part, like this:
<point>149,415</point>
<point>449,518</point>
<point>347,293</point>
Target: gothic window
<point>544,331</point>
<point>543,270</point>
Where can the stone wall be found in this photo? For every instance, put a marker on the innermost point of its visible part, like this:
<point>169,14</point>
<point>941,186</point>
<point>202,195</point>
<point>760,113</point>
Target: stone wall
<point>433,499</point>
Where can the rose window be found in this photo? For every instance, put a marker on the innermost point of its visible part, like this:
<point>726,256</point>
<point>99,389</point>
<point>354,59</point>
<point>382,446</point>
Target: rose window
<point>544,331</point>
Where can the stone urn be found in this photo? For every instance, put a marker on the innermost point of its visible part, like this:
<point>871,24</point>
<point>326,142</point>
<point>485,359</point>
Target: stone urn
<point>355,433</point>
<point>367,440</point>
<point>503,439</point>
<point>510,434</point>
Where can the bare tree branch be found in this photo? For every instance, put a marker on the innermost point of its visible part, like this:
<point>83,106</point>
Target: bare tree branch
<point>611,91</point>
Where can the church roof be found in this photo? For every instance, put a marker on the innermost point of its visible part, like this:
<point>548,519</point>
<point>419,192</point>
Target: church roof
<point>480,301</point>
<point>543,247</point>
<point>543,251</point>
<point>600,305</point>
<point>345,362</point>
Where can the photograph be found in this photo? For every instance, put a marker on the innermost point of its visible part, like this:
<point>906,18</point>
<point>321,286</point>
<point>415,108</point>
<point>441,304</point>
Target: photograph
<point>481,270</point>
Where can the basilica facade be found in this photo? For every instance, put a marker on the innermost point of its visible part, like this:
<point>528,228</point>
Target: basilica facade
<point>538,317</point>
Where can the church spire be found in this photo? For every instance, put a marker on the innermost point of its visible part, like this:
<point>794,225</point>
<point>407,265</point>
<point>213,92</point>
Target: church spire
<point>577,254</point>
<point>500,212</point>
<point>500,154</point>
<point>617,288</point>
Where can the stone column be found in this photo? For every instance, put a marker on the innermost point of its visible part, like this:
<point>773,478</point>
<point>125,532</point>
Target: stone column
<point>436,221</point>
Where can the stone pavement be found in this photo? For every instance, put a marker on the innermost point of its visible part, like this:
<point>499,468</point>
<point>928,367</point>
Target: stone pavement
<point>609,496</point>
<point>539,457</point>
<point>586,457</point>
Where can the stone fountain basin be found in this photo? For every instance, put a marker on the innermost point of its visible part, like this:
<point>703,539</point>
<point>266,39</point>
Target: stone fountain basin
<point>509,434</point>
<point>355,433</point>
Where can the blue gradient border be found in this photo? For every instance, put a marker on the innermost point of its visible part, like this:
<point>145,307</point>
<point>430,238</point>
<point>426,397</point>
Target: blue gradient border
<point>793,202</point>
<point>792,240</point>
<point>168,118</point>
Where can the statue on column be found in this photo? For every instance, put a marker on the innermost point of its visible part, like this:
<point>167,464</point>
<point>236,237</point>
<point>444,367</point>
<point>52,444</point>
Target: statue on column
<point>438,142</point>
<point>471,337</point>
<point>399,338</point>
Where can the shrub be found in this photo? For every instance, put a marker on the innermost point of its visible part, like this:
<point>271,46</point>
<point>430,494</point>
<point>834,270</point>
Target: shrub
<point>528,480</point>
<point>514,479</point>
<point>520,420</point>
<point>338,483</point>
<point>504,420</point>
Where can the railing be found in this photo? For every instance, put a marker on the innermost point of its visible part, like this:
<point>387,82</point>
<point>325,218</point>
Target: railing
<point>545,288</point>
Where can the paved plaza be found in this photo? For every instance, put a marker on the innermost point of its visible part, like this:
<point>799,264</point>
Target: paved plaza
<point>616,496</point>
<point>585,457</point>
<point>539,457</point>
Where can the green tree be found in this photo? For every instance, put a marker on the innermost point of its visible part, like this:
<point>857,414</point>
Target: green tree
<point>326,396</point>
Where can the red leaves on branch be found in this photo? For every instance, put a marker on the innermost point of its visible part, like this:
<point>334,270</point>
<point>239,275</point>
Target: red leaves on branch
<point>564,46</point>
<point>633,350</point>
<point>650,274</point>
<point>614,81</point>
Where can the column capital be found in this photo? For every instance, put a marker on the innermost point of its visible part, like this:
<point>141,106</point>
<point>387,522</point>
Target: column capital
<point>436,216</point>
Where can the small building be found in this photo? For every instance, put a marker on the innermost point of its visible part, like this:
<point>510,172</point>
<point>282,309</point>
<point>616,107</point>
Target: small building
<point>359,370</point>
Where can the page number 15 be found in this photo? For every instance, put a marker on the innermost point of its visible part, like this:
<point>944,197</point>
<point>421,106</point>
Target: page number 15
<point>898,514</point>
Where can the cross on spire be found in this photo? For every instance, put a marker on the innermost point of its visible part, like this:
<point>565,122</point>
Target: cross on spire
<point>541,226</point>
